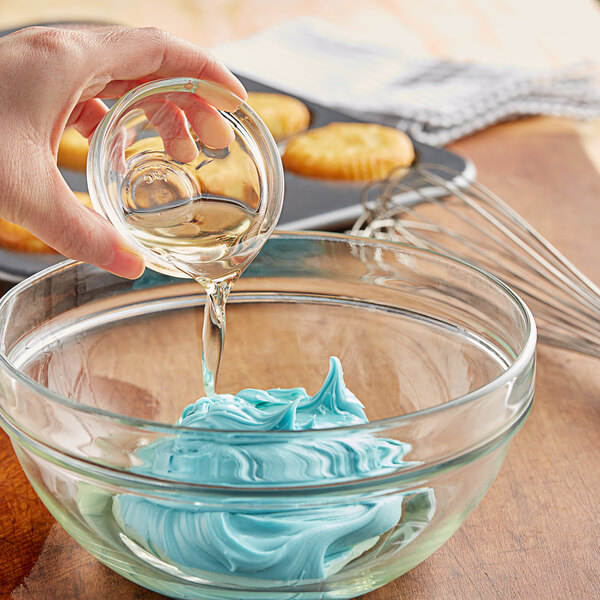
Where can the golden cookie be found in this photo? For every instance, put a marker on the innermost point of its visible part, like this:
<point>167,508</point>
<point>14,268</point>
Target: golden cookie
<point>349,151</point>
<point>283,115</point>
<point>15,237</point>
<point>72,150</point>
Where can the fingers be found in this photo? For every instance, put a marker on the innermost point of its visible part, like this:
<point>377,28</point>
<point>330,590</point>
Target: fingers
<point>78,232</point>
<point>86,116</point>
<point>168,115</point>
<point>210,126</point>
<point>171,125</point>
<point>130,56</point>
<point>133,54</point>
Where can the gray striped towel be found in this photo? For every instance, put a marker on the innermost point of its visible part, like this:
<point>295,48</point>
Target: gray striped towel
<point>436,101</point>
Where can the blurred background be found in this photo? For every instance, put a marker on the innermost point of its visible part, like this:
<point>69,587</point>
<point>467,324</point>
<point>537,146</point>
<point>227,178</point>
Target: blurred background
<point>518,33</point>
<point>523,32</point>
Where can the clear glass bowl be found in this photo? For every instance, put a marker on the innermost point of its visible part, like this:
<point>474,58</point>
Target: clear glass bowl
<point>94,369</point>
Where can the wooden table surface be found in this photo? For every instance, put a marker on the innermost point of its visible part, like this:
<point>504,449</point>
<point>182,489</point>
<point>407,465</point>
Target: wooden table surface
<point>536,534</point>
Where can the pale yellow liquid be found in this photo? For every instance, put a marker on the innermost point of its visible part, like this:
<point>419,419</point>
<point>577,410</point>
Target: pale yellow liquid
<point>206,238</point>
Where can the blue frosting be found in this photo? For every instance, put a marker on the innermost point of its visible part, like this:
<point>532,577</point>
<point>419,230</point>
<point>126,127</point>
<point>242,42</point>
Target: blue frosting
<point>275,541</point>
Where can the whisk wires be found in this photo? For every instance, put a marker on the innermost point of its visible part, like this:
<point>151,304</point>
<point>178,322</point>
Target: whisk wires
<point>434,207</point>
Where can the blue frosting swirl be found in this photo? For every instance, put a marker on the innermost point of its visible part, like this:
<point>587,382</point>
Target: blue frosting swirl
<point>275,540</point>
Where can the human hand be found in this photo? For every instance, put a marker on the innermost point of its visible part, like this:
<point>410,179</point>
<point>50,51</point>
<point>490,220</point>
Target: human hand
<point>53,77</point>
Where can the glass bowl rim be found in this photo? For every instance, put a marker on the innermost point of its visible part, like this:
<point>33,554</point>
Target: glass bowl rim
<point>514,369</point>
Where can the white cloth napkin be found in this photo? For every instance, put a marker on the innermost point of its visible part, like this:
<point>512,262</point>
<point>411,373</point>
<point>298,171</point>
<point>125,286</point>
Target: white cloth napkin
<point>436,101</point>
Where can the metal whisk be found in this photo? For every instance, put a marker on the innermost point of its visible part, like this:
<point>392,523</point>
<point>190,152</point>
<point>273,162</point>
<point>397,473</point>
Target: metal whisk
<point>470,222</point>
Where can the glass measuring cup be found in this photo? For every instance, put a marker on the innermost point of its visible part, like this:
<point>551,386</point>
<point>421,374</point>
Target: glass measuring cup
<point>203,212</point>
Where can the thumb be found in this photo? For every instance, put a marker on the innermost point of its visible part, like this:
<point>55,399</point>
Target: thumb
<point>78,232</point>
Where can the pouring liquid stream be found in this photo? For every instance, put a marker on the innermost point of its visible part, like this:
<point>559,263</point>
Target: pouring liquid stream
<point>213,333</point>
<point>205,217</point>
<point>211,239</point>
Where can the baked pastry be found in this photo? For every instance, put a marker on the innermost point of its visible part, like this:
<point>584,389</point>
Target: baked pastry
<point>72,150</point>
<point>283,115</point>
<point>15,237</point>
<point>349,151</point>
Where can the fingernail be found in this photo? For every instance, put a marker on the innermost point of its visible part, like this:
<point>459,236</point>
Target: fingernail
<point>126,263</point>
<point>214,131</point>
<point>183,149</point>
